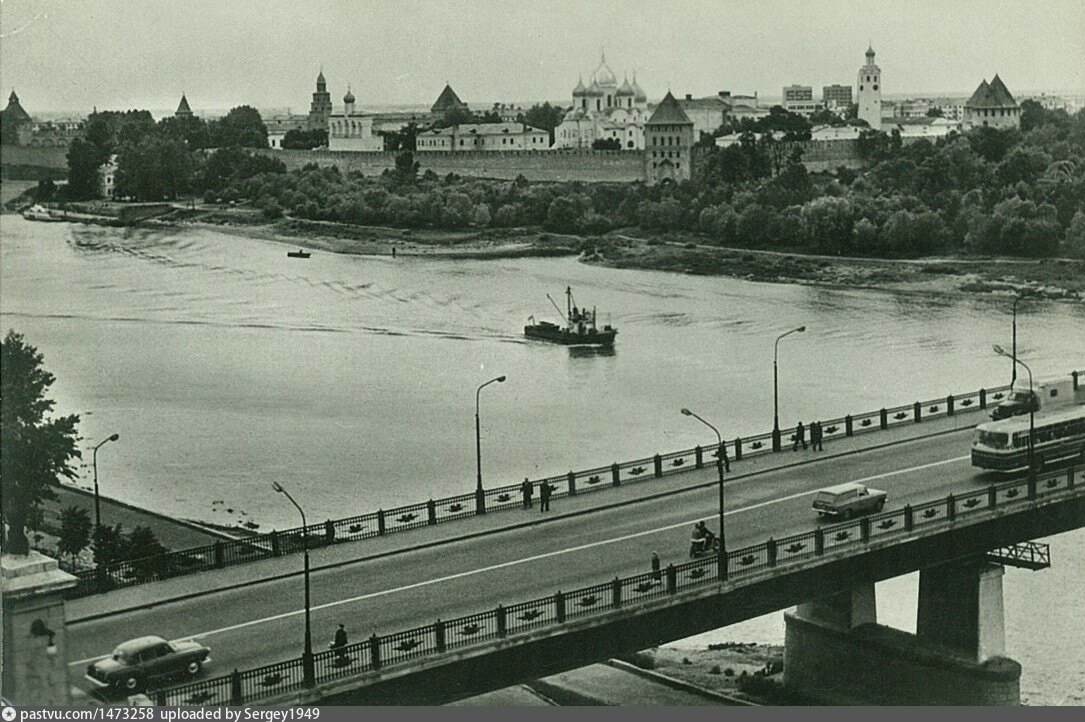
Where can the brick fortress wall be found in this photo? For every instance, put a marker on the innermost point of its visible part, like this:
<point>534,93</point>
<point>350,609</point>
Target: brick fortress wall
<point>546,165</point>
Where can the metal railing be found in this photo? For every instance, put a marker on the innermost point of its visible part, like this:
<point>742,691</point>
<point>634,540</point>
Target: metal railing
<point>222,554</point>
<point>853,536</point>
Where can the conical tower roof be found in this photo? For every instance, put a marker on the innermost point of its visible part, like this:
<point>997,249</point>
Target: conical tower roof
<point>446,100</point>
<point>15,112</point>
<point>1000,93</point>
<point>669,112</point>
<point>182,108</point>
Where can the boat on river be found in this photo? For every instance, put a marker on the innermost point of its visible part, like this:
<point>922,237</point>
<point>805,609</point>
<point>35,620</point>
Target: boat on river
<point>580,327</point>
<point>39,212</point>
<point>298,254</point>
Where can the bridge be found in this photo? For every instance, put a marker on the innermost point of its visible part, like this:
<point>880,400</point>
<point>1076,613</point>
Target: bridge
<point>495,599</point>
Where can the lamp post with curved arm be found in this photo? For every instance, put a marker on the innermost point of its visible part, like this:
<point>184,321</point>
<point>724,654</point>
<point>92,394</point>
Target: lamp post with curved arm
<point>97,504</point>
<point>308,669</point>
<point>480,495</point>
<point>722,557</point>
<point>1031,415</point>
<point>776,389</point>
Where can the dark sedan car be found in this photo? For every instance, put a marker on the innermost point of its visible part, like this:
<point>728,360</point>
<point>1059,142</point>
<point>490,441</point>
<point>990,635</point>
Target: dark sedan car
<point>138,661</point>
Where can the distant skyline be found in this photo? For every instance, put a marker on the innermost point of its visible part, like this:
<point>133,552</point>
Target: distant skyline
<point>72,55</point>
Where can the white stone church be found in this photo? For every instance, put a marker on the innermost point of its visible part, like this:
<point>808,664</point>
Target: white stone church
<point>602,110</point>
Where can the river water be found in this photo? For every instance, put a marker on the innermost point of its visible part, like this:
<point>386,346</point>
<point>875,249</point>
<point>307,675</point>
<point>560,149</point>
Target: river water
<point>225,366</point>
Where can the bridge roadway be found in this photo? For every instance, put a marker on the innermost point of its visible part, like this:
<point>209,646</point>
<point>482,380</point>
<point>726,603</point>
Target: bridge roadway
<point>263,623</point>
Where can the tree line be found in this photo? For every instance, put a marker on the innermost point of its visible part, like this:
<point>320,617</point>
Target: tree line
<point>984,191</point>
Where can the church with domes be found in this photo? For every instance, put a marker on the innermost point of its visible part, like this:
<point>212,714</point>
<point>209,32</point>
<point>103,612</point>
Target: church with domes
<point>352,129</point>
<point>602,110</point>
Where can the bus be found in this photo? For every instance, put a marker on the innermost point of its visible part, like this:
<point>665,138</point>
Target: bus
<point>1003,445</point>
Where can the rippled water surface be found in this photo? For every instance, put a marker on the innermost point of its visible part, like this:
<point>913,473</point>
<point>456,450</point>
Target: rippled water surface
<point>225,366</point>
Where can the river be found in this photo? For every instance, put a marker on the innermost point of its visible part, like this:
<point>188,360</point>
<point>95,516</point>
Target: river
<point>225,366</point>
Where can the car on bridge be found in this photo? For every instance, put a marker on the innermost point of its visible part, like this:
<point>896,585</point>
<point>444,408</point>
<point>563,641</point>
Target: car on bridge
<point>138,661</point>
<point>844,501</point>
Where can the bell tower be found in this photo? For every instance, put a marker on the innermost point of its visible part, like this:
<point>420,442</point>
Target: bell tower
<point>870,92</point>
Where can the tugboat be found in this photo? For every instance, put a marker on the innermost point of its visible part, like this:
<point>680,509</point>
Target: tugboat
<point>298,254</point>
<point>579,328</point>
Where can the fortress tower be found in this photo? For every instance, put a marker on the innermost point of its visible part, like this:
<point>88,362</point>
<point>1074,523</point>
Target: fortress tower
<point>870,92</point>
<point>321,107</point>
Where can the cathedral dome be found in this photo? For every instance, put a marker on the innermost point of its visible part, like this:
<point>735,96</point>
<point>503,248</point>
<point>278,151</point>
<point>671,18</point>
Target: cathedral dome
<point>603,75</point>
<point>637,91</point>
<point>349,97</point>
<point>626,89</point>
<point>594,89</point>
<point>579,90</point>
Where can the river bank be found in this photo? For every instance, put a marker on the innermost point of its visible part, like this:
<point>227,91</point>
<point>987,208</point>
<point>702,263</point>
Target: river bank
<point>1048,278</point>
<point>680,253</point>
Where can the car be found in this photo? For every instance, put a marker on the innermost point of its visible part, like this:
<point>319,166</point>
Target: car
<point>847,500</point>
<point>138,661</point>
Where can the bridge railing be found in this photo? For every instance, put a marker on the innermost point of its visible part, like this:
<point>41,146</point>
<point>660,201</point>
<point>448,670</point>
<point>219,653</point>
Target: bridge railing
<point>413,516</point>
<point>855,534</point>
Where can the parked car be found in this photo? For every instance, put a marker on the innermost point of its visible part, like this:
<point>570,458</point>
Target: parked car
<point>847,500</point>
<point>138,661</point>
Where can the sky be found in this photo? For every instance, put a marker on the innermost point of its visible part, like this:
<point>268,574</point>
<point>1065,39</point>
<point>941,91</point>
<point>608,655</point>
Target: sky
<point>72,55</point>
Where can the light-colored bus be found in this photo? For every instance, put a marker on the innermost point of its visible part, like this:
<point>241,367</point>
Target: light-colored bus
<point>1003,445</point>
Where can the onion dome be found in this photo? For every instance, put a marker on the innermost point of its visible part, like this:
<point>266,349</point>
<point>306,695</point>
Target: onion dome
<point>638,92</point>
<point>349,97</point>
<point>594,89</point>
<point>626,89</point>
<point>603,75</point>
<point>579,90</point>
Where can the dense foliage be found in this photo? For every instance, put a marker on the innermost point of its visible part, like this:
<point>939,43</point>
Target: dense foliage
<point>155,161</point>
<point>36,447</point>
<point>985,191</point>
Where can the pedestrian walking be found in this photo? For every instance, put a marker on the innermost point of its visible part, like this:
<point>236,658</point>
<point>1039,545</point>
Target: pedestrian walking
<point>816,436</point>
<point>340,645</point>
<point>526,489</point>
<point>723,457</point>
<point>800,437</point>
<point>544,496</point>
<point>657,573</point>
<point>393,251</point>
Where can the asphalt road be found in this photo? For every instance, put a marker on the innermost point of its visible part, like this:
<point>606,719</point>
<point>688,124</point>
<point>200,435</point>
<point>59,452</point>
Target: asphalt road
<point>261,624</point>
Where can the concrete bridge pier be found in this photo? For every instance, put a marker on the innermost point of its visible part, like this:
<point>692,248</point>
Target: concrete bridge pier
<point>835,651</point>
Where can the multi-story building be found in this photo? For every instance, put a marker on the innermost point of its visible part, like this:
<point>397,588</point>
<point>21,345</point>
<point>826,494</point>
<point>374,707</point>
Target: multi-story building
<point>668,141</point>
<point>805,107</point>
<point>992,106</point>
<point>870,92</point>
<point>604,110</point>
<point>836,97</point>
<point>912,108</point>
<point>351,129</point>
<point>707,114</point>
<point>483,137</point>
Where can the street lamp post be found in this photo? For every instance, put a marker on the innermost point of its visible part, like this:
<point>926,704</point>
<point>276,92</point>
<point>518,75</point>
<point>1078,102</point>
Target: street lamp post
<point>722,557</point>
<point>1031,412</point>
<point>308,670</point>
<point>776,387</point>
<point>480,495</point>
<point>1014,356</point>
<point>97,504</point>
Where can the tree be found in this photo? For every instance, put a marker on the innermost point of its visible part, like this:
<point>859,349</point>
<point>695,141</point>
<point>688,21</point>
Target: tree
<point>109,544</point>
<point>406,167</point>
<point>545,117</point>
<point>1074,245</point>
<point>84,160</point>
<point>562,216</point>
<point>36,450</point>
<point>145,552</point>
<point>934,113</point>
<point>305,139</point>
<point>75,528</point>
<point>242,127</point>
<point>606,144</point>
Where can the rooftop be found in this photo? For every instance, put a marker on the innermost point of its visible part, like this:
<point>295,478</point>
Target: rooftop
<point>669,112</point>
